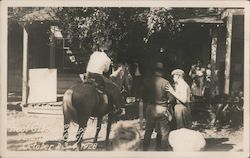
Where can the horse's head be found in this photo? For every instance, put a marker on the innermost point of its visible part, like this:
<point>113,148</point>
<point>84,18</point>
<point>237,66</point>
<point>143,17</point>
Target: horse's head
<point>121,77</point>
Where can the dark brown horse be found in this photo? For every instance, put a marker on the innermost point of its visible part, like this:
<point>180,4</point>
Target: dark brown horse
<point>84,101</point>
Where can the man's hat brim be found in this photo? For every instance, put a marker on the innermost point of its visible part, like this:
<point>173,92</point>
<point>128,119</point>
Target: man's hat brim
<point>178,72</point>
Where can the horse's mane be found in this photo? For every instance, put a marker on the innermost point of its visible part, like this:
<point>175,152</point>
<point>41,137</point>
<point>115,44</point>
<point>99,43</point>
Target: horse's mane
<point>117,76</point>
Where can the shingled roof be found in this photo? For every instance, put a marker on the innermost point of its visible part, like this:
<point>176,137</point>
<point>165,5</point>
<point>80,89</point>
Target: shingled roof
<point>46,14</point>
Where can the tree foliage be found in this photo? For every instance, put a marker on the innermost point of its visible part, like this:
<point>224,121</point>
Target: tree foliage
<point>162,19</point>
<point>110,26</point>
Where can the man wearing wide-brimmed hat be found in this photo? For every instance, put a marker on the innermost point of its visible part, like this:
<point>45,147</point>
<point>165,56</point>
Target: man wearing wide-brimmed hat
<point>158,112</point>
<point>182,94</point>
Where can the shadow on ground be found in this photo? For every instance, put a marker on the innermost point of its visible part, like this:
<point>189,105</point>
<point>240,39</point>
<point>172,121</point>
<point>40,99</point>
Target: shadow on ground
<point>218,144</point>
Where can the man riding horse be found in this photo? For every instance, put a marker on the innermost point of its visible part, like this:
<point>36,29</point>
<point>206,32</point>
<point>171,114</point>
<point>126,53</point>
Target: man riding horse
<point>85,100</point>
<point>98,64</point>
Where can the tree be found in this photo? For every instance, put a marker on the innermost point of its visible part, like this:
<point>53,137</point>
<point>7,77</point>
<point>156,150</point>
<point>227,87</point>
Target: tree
<point>115,27</point>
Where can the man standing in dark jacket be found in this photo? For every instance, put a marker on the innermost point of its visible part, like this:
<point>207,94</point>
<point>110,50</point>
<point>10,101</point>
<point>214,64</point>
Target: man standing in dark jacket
<point>159,110</point>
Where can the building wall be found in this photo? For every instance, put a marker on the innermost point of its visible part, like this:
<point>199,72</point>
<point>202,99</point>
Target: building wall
<point>237,54</point>
<point>237,65</point>
<point>38,45</point>
<point>195,44</point>
<point>15,50</point>
<point>38,51</point>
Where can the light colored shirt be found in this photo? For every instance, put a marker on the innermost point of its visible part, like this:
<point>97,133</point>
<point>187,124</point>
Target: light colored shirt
<point>200,72</point>
<point>99,62</point>
<point>183,91</point>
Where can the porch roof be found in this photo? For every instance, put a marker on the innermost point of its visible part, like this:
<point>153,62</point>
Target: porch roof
<point>204,20</point>
<point>46,14</point>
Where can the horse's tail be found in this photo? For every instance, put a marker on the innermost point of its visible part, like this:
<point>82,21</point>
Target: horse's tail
<point>69,111</point>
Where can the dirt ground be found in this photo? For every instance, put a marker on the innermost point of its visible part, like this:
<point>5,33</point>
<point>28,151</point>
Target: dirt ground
<point>40,128</point>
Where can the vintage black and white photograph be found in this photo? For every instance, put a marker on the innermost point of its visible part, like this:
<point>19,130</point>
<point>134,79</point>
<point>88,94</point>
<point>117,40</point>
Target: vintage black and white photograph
<point>141,78</point>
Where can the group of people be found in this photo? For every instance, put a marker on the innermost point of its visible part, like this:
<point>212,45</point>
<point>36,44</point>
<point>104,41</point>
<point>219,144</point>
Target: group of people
<point>167,106</point>
<point>201,80</point>
<point>167,112</point>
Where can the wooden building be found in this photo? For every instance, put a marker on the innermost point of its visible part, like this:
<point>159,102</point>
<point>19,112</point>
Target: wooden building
<point>34,43</point>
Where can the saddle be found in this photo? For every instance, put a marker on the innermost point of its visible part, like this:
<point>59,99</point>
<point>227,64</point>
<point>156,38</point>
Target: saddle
<point>100,89</point>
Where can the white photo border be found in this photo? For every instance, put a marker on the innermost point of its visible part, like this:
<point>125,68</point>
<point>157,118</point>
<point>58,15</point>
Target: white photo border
<point>116,3</point>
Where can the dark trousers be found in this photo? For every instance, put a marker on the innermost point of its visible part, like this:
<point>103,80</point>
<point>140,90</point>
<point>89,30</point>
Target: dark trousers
<point>162,127</point>
<point>110,88</point>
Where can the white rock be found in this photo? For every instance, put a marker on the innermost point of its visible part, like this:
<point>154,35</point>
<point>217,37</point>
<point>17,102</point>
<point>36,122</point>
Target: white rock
<point>186,140</point>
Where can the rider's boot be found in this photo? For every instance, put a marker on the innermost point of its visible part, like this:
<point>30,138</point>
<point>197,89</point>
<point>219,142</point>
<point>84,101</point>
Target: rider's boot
<point>117,111</point>
<point>100,89</point>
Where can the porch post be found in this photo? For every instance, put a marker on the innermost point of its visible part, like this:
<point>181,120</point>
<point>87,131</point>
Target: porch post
<point>213,60</point>
<point>52,52</point>
<point>228,52</point>
<point>25,66</point>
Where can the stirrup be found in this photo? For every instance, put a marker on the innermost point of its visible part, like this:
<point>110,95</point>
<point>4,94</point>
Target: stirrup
<point>117,111</point>
<point>99,91</point>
